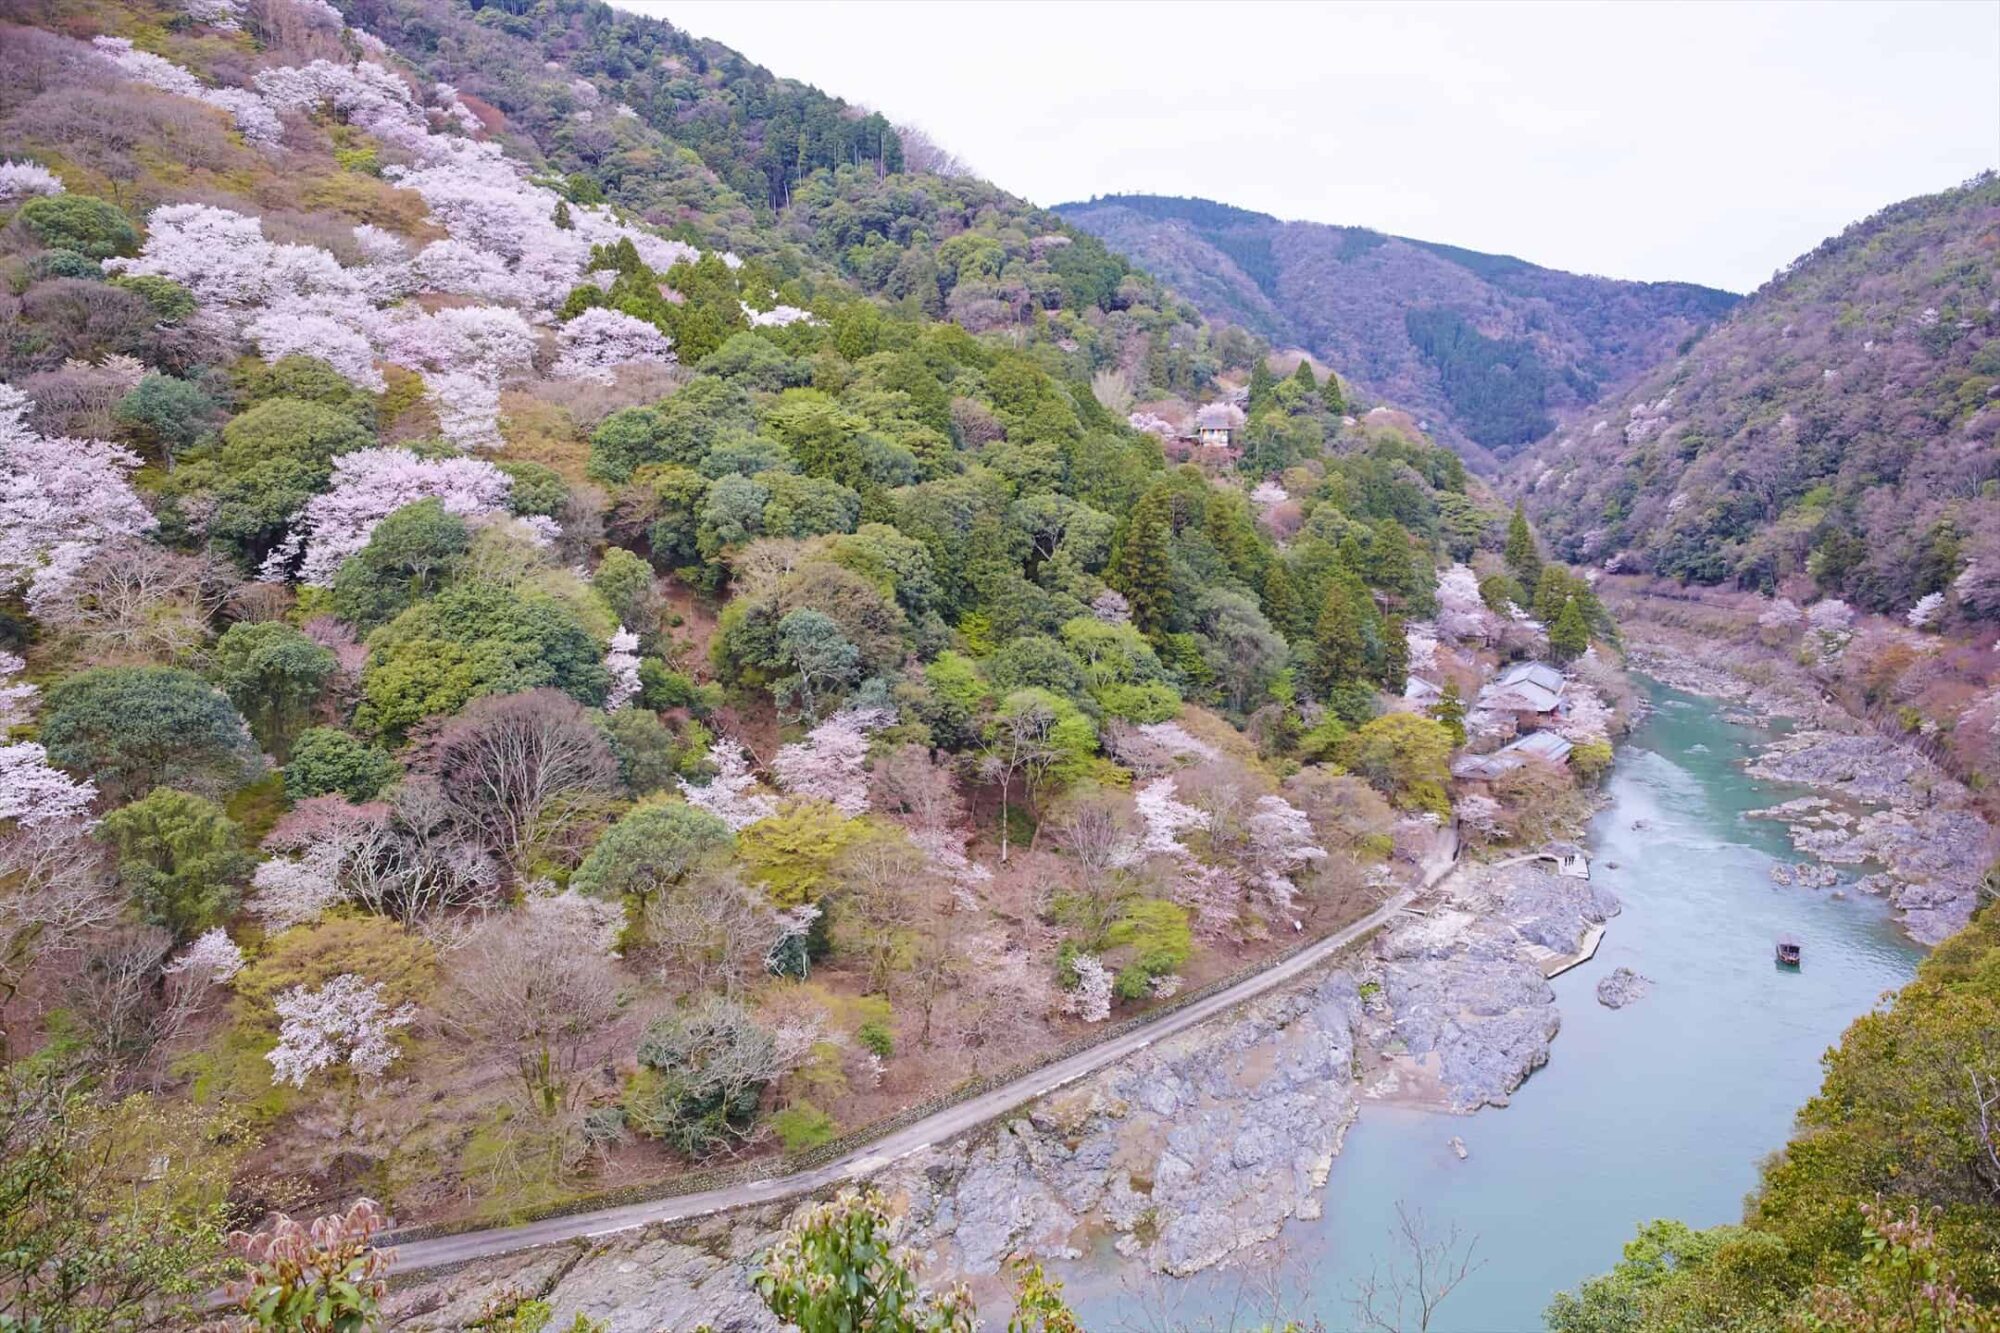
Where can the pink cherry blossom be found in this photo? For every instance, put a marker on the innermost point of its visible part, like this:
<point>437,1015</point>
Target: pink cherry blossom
<point>368,486</point>
<point>24,180</point>
<point>34,793</point>
<point>343,1022</point>
<point>598,341</point>
<point>622,663</point>
<point>60,501</point>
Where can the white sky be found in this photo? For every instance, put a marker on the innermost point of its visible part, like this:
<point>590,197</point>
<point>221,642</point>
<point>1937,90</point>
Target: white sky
<point>1708,142</point>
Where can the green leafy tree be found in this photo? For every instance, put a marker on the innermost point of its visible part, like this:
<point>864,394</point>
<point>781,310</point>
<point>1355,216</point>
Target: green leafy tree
<point>1347,622</point>
<point>836,1270</point>
<point>327,759</point>
<point>1154,939</point>
<point>1303,377</point>
<point>274,675</point>
<point>655,846</point>
<point>1449,711</point>
<point>1263,388</point>
<point>270,461</point>
<point>817,658</point>
<point>702,1073</point>
<point>94,1236</point>
<point>134,728</point>
<point>409,556</point>
<point>795,855</point>
<point>180,858</point>
<point>1405,757</point>
<point>169,414</point>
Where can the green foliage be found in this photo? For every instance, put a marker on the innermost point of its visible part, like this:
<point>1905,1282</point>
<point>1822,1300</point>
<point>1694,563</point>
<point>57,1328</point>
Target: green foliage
<point>167,413</point>
<point>97,1238</point>
<point>326,760</point>
<point>410,555</point>
<point>473,639</point>
<point>1449,712</point>
<point>79,222</point>
<point>134,728</point>
<point>536,490</point>
<point>1569,636</point>
<point>802,1125</point>
<point>653,847</point>
<point>837,1270</point>
<point>1143,567</point>
<point>1152,937</point>
<point>877,1038</point>
<point>795,852</point>
<point>1882,1201</point>
<point>1524,561</point>
<point>179,857</point>
<point>1405,757</point>
<point>702,1072</point>
<point>273,674</point>
<point>270,461</point>
<point>1497,386</point>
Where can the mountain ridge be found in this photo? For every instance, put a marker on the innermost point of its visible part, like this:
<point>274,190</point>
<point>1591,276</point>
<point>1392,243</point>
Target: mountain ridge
<point>1497,348</point>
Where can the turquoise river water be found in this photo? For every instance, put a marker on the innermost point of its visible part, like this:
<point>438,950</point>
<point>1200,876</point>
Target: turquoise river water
<point>1660,1109</point>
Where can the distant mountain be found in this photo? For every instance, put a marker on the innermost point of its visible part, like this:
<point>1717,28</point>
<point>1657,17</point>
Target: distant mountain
<point>1843,425</point>
<point>1498,350</point>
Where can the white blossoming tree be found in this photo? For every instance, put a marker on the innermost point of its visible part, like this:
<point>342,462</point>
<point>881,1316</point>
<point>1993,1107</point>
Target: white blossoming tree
<point>346,1021</point>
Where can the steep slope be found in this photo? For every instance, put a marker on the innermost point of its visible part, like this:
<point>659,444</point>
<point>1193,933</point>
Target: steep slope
<point>1840,427</point>
<point>1498,349</point>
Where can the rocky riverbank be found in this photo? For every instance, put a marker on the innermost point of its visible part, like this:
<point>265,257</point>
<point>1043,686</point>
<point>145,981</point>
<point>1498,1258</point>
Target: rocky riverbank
<point>1879,803</point>
<point>1185,1155</point>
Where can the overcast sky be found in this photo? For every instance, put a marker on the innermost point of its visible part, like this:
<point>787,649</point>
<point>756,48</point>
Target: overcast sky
<point>1707,142</point>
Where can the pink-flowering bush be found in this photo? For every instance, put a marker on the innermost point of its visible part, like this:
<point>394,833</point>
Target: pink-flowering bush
<point>778,316</point>
<point>32,793</point>
<point>1928,611</point>
<point>730,794</point>
<point>598,341</point>
<point>621,662</point>
<point>25,180</point>
<point>256,119</point>
<point>61,500</point>
<point>368,486</point>
<point>343,1022</point>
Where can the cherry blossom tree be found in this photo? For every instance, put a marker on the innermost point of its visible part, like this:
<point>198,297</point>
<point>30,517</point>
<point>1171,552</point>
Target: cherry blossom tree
<point>1281,843</point>
<point>253,115</point>
<point>16,697</point>
<point>598,341</point>
<point>1165,818</point>
<point>827,765</point>
<point>213,958</point>
<point>61,500</point>
<point>730,795</point>
<point>1928,611</point>
<point>33,793</point>
<point>25,180</point>
<point>1091,1000</point>
<point>346,1021</point>
<point>369,485</point>
<point>621,663</point>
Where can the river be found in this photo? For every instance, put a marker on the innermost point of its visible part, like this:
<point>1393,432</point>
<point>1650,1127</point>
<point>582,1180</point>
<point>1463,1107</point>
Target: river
<point>1660,1109</point>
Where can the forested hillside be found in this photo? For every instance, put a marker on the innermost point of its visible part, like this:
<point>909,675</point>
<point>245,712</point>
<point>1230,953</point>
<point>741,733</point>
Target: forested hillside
<point>1838,436</point>
<point>1496,350</point>
<point>545,643</point>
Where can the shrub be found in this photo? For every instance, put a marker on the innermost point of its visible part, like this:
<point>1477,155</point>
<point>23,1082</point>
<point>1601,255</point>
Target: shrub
<point>802,1125</point>
<point>79,222</point>
<point>1406,757</point>
<point>794,852</point>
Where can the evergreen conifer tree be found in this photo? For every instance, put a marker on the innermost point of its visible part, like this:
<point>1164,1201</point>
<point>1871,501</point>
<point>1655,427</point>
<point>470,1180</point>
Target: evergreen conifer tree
<point>1450,711</point>
<point>1144,569</point>
<point>1522,559</point>
<point>1569,637</point>
<point>1303,377</point>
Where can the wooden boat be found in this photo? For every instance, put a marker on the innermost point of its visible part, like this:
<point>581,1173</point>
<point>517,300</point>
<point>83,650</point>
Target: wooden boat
<point>1788,951</point>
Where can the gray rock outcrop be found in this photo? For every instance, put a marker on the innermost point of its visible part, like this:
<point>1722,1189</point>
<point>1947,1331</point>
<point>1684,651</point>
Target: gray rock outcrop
<point>1621,988</point>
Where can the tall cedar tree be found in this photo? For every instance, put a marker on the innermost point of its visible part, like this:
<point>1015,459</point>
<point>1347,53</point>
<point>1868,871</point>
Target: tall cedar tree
<point>1263,385</point>
<point>1449,710</point>
<point>1340,644</point>
<point>1522,558</point>
<point>1569,637</point>
<point>1144,570</point>
<point>1303,377</point>
<point>1281,600</point>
